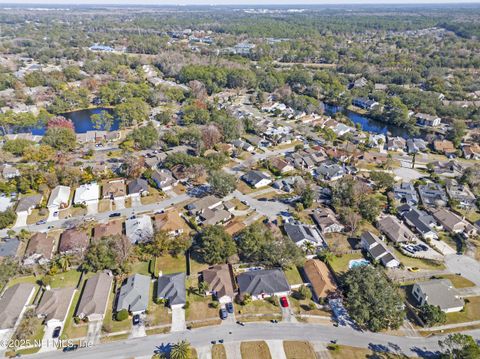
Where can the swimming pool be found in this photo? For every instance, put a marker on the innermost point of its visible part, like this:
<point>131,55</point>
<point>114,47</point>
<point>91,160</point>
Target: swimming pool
<point>357,263</point>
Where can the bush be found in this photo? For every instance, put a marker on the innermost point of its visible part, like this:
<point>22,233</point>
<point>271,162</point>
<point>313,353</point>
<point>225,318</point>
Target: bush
<point>121,315</point>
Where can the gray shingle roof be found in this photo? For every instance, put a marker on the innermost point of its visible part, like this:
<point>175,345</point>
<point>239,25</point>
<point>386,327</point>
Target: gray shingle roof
<point>12,303</point>
<point>265,281</point>
<point>134,294</point>
<point>172,288</point>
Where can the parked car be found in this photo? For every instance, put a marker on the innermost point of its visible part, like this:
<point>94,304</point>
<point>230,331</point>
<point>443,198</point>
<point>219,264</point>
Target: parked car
<point>136,319</point>
<point>70,348</point>
<point>284,302</point>
<point>56,332</point>
<point>116,214</point>
<point>223,314</point>
<point>42,221</point>
<point>229,307</point>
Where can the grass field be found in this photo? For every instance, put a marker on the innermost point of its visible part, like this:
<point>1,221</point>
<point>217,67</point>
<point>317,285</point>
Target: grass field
<point>110,324</point>
<point>339,264</point>
<point>168,264</point>
<point>459,281</point>
<point>70,329</point>
<point>298,350</point>
<point>417,262</point>
<point>255,350</point>
<point>199,307</point>
<point>157,313</point>
<point>218,352</point>
<point>470,313</point>
<point>293,275</point>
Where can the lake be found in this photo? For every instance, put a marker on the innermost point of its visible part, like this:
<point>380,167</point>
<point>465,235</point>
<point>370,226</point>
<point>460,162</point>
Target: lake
<point>369,124</point>
<point>82,120</point>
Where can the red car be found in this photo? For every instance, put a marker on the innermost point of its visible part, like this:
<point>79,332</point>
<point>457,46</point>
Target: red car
<point>284,302</point>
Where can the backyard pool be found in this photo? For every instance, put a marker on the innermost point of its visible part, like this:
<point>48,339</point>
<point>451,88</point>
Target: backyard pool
<point>357,263</point>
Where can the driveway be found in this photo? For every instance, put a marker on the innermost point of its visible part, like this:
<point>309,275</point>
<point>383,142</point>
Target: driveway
<point>48,343</point>
<point>138,330</point>
<point>136,201</point>
<point>266,208</point>
<point>287,314</point>
<point>204,352</point>
<point>21,219</point>
<point>178,320</point>
<point>94,331</point>
<point>276,349</point>
<point>119,203</point>
<point>92,208</point>
<point>233,350</point>
<point>407,174</point>
<point>443,247</point>
<point>466,266</point>
<point>430,253</point>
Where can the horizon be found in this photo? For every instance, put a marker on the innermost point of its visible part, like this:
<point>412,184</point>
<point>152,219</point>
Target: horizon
<point>236,2</point>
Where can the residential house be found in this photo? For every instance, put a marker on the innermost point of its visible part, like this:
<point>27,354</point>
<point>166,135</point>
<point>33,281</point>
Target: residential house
<point>9,172</point>
<point>256,179</point>
<point>54,306</point>
<point>137,187</point>
<point>234,227</point>
<point>27,204</point>
<point>39,250</point>
<point>164,179</point>
<point>87,194</point>
<point>214,216</point>
<point>301,234</point>
<point>461,194</point>
<point>377,250</point>
<point>396,144</point>
<point>243,145</point>
<point>422,222</point>
<point>438,292</point>
<point>9,248</point>
<point>432,195</point>
<point>139,229</point>
<point>320,278</point>
<point>109,229</point>
<point>471,151</point>
<point>220,282</point>
<point>59,198</point>
<point>280,165</point>
<point>416,145</point>
<point>406,193</point>
<point>447,169</point>
<point>364,103</point>
<point>73,241</point>
<point>359,83</point>
<point>427,120</point>
<point>13,304</point>
<point>201,204</point>
<point>395,231</point>
<point>263,283</point>
<point>375,158</point>
<point>171,287</point>
<point>114,189</point>
<point>289,184</point>
<point>330,171</point>
<point>94,300</point>
<point>170,222</point>
<point>326,221</point>
<point>134,294</point>
<point>444,146</point>
<point>453,222</point>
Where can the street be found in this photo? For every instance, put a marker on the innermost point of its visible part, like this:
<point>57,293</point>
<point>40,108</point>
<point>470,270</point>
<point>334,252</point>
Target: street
<point>418,346</point>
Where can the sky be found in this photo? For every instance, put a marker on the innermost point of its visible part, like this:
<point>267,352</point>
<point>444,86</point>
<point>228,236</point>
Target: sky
<point>232,2</point>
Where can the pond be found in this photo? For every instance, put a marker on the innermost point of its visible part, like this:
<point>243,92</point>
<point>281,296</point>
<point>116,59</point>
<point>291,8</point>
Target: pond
<point>369,124</point>
<point>82,120</point>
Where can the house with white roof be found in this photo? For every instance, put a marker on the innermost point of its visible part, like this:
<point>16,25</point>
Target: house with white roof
<point>139,229</point>
<point>59,198</point>
<point>87,194</point>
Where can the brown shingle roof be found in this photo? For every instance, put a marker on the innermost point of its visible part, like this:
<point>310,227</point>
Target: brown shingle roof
<point>169,221</point>
<point>219,280</point>
<point>319,277</point>
<point>41,244</point>
<point>111,228</point>
<point>95,296</point>
<point>73,240</point>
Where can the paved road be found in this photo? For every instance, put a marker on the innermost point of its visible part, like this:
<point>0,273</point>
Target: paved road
<point>468,267</point>
<point>418,346</point>
<point>62,223</point>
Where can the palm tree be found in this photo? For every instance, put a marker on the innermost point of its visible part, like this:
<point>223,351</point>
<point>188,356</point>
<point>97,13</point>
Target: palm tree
<point>309,247</point>
<point>202,287</point>
<point>64,262</point>
<point>181,350</point>
<point>326,256</point>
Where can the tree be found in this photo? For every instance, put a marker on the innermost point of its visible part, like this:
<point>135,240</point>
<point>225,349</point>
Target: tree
<point>459,346</point>
<point>7,218</point>
<point>216,246</point>
<point>202,287</point>
<point>132,112</point>
<point>371,300</point>
<point>102,120</point>
<point>8,269</point>
<point>432,315</point>
<point>108,253</point>
<point>60,138</point>
<point>221,183</point>
<point>382,180</point>
<point>181,350</point>
<point>121,315</point>
<point>370,207</point>
<point>60,122</point>
<point>210,136</point>
<point>457,132</point>
<point>307,197</point>
<point>17,146</point>
<point>145,137</point>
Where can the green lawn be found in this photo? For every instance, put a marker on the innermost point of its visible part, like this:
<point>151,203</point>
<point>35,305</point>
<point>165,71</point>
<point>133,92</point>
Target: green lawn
<point>141,268</point>
<point>293,276</point>
<point>302,306</point>
<point>110,325</point>
<point>470,313</point>
<point>157,313</point>
<point>459,281</point>
<point>339,264</point>
<point>259,310</point>
<point>71,330</point>
<point>417,262</point>
<point>66,279</point>
<point>168,264</point>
